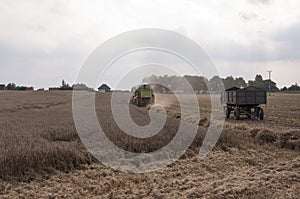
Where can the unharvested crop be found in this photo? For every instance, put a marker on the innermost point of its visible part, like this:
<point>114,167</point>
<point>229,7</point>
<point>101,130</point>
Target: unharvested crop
<point>41,148</point>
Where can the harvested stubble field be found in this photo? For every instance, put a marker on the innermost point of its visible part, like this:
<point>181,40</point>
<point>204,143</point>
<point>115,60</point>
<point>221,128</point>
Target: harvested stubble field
<point>42,157</point>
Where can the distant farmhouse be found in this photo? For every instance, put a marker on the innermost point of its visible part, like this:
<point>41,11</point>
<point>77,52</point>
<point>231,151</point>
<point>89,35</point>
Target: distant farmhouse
<point>82,87</point>
<point>2,87</point>
<point>79,87</point>
<point>104,88</point>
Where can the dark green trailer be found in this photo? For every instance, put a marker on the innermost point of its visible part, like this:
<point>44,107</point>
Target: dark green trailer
<point>245,101</point>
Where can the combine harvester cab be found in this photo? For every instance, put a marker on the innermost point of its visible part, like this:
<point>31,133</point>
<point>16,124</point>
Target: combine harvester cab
<point>143,96</point>
<point>245,101</point>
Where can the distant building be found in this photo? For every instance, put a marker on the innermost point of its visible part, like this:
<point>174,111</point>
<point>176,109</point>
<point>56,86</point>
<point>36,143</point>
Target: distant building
<point>82,87</point>
<point>79,87</point>
<point>2,87</point>
<point>104,88</point>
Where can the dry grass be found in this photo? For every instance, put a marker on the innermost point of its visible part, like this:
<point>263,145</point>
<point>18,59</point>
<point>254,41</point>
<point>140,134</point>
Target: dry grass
<point>252,159</point>
<point>290,139</point>
<point>37,141</point>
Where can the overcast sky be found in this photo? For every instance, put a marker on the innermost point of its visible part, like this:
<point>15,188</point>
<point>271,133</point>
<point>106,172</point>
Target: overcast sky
<point>43,42</point>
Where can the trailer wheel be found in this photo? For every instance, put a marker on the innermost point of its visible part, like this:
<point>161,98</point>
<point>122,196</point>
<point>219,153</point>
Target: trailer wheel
<point>227,112</point>
<point>260,114</point>
<point>248,112</point>
<point>237,114</point>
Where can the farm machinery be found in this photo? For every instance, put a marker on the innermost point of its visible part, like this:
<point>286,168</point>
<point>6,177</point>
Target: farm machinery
<point>245,101</point>
<point>142,96</point>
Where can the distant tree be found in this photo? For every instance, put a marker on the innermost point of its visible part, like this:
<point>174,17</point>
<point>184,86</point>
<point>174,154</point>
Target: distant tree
<point>240,82</point>
<point>294,87</point>
<point>65,86</point>
<point>63,83</point>
<point>174,82</point>
<point>82,87</point>
<point>21,88</point>
<point>158,83</point>
<point>258,78</point>
<point>158,88</point>
<point>263,84</point>
<point>164,80</point>
<point>11,86</point>
<point>198,83</point>
<point>151,79</point>
<point>201,84</point>
<point>216,84</point>
<point>272,84</point>
<point>284,89</point>
<point>258,82</point>
<point>229,82</point>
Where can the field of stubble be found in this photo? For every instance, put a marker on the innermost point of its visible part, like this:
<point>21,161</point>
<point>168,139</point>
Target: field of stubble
<point>42,157</point>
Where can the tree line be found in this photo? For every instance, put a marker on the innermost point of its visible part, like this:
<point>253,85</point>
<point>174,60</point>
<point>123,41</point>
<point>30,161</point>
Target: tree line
<point>203,85</point>
<point>13,86</point>
<point>64,86</point>
<point>199,84</point>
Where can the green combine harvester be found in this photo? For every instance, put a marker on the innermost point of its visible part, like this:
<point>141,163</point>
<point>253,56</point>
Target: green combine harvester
<point>142,96</point>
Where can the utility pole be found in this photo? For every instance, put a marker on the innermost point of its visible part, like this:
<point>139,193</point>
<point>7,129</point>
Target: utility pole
<point>269,71</point>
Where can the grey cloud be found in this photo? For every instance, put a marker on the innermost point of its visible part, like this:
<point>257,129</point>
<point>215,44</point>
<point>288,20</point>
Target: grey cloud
<point>33,65</point>
<point>282,45</point>
<point>59,7</point>
<point>289,41</point>
<point>248,16</point>
<point>261,2</point>
<point>67,48</point>
<point>286,48</point>
<point>232,51</point>
<point>290,34</point>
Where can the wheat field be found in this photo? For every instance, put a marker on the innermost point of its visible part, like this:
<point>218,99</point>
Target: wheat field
<point>42,156</point>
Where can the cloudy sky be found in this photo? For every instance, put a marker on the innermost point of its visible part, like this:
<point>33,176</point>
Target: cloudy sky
<point>43,42</point>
